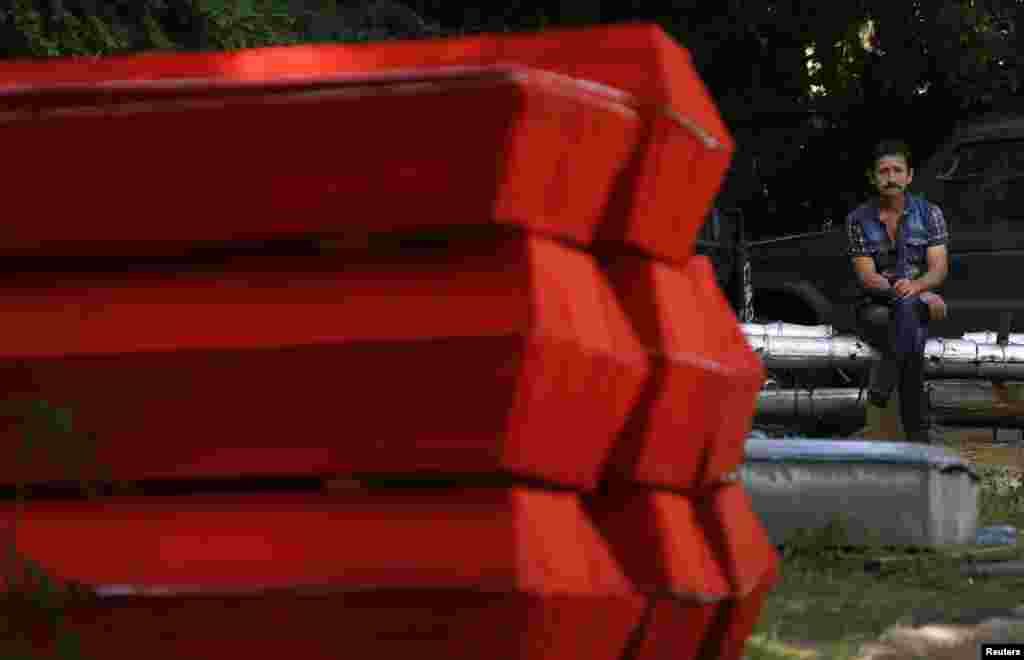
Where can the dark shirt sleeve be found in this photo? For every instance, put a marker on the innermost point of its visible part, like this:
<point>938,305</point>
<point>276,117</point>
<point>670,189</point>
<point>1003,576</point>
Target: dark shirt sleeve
<point>855,236</point>
<point>937,232</point>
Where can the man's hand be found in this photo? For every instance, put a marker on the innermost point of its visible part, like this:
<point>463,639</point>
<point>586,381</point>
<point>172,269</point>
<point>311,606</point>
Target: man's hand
<point>936,305</point>
<point>906,288</point>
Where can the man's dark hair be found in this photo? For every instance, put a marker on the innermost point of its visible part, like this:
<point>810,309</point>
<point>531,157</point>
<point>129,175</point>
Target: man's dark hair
<point>892,148</point>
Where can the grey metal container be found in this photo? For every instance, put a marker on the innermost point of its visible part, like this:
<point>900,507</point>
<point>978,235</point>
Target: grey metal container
<point>893,493</point>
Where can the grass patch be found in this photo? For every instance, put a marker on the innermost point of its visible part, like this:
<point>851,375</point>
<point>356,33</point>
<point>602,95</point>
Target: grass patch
<point>760,647</point>
<point>838,606</point>
<point>827,602</point>
<point>1001,499</point>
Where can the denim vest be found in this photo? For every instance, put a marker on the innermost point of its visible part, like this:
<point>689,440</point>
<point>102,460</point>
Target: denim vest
<point>913,232</point>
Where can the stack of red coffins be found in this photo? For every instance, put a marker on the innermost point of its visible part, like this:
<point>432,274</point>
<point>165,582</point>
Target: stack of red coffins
<point>537,396</point>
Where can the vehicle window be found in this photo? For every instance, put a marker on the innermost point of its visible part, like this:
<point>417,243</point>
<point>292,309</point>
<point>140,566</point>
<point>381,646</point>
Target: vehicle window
<point>979,159</point>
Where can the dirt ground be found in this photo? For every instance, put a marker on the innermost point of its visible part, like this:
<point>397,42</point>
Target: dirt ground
<point>976,446</point>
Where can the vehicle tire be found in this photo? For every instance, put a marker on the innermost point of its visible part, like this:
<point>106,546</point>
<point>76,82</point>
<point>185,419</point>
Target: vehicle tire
<point>793,302</point>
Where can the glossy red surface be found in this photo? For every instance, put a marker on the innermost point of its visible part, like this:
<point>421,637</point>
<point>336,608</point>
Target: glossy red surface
<point>443,573</point>
<point>483,360</point>
<point>690,426</point>
<point>603,133</point>
<point>639,59</point>
<point>679,629</point>
<point>515,360</point>
<point>735,621</point>
<point>660,540</point>
<point>726,451</point>
<point>704,560</point>
<point>748,557</point>
<point>497,146</point>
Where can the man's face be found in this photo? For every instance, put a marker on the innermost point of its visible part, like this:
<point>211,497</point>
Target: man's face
<point>892,175</point>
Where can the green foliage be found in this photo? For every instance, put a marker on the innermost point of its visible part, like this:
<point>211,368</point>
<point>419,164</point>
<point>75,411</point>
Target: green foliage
<point>249,24</point>
<point>32,29</point>
<point>773,53</point>
<point>26,22</point>
<point>855,51</point>
<point>155,34</point>
<point>1001,497</point>
<point>760,647</point>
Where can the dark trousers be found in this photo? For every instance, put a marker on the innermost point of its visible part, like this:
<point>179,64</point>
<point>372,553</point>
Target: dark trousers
<point>898,329</point>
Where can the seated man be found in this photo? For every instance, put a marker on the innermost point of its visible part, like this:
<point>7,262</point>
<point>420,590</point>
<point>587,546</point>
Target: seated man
<point>898,245</point>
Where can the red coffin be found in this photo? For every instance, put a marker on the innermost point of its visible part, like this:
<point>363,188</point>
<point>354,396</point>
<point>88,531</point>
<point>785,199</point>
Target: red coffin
<point>691,423</point>
<point>750,562</point>
<point>509,357</point>
<point>669,633</point>
<point>662,545</point>
<point>504,145</point>
<point>480,573</point>
<point>706,561</point>
<point>602,133</point>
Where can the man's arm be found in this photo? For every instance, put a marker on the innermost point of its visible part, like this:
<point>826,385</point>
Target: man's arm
<point>869,276</point>
<point>937,255</point>
<point>864,263</point>
<point>938,268</point>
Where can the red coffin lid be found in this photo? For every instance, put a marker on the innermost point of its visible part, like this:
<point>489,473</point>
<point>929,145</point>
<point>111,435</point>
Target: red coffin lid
<point>515,359</point>
<point>661,544</point>
<point>704,559</point>
<point>706,377</point>
<point>727,451</point>
<point>493,540</point>
<point>147,175</point>
<point>702,548</point>
<point>526,129</point>
<point>430,574</point>
<point>639,59</point>
<point>749,558</point>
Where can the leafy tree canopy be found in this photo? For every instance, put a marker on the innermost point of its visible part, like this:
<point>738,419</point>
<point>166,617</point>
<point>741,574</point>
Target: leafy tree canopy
<point>784,52</point>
